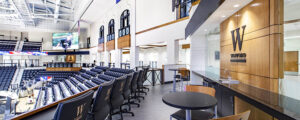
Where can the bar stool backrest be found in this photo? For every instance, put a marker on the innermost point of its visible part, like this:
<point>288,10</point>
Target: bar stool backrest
<point>184,72</point>
<point>202,89</point>
<point>241,116</point>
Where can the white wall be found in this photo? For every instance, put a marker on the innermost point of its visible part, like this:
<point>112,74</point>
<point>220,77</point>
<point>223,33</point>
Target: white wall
<point>198,57</point>
<point>184,55</point>
<point>158,54</point>
<point>151,13</point>
<point>171,32</point>
<point>10,35</point>
<point>125,58</point>
<point>38,36</point>
<point>115,14</point>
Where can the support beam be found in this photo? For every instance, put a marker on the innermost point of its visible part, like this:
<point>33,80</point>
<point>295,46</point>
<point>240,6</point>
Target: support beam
<point>50,18</point>
<point>56,11</point>
<point>17,10</point>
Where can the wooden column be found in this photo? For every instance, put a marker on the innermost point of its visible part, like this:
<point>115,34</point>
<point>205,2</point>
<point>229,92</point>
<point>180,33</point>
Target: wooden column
<point>263,45</point>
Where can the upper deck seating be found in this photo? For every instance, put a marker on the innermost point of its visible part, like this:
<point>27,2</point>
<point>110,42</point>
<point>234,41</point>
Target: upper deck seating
<point>6,76</point>
<point>7,45</point>
<point>32,46</point>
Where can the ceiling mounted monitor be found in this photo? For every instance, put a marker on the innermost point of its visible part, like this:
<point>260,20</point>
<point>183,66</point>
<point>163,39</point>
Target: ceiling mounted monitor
<point>64,41</point>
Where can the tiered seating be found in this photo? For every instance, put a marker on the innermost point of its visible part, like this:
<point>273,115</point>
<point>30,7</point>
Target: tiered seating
<point>76,82</point>
<point>114,74</point>
<point>32,46</point>
<point>126,71</point>
<point>99,71</point>
<point>29,74</point>
<point>106,77</point>
<point>79,78</point>
<point>82,71</point>
<point>57,75</point>
<point>94,74</point>
<point>6,76</point>
<point>86,76</point>
<point>123,90</point>
<point>102,68</point>
<point>7,45</point>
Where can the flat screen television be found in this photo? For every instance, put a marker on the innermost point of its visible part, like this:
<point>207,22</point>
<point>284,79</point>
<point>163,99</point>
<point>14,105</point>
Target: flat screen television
<point>62,41</point>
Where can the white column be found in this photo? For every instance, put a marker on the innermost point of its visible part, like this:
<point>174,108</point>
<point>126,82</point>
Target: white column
<point>106,58</point>
<point>172,51</point>
<point>118,53</point>
<point>134,50</point>
<point>1,59</point>
<point>198,58</point>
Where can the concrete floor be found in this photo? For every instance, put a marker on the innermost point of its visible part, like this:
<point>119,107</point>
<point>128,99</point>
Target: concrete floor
<point>152,108</point>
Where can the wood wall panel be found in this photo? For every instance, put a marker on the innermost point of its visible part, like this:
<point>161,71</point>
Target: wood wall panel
<point>255,17</point>
<point>257,59</point>
<point>110,45</point>
<point>64,69</point>
<point>101,47</point>
<point>263,44</point>
<point>124,42</point>
<point>70,58</point>
<point>256,114</point>
<point>186,46</point>
<point>291,61</point>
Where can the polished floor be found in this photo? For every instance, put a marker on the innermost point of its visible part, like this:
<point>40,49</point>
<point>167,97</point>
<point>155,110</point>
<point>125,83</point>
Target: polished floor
<point>152,108</point>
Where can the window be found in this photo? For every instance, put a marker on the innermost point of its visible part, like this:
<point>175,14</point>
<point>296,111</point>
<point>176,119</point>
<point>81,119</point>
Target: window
<point>124,24</point>
<point>101,35</point>
<point>184,8</point>
<point>111,30</point>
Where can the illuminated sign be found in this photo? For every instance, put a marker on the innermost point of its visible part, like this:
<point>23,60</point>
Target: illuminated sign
<point>23,53</point>
<point>236,39</point>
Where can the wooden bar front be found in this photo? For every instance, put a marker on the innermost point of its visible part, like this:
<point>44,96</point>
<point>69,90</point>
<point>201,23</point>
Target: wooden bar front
<point>63,69</point>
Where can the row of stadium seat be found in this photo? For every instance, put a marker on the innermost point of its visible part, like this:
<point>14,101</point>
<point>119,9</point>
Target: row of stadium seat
<point>29,74</point>
<point>56,75</point>
<point>6,76</point>
<point>7,45</point>
<point>109,97</point>
<point>77,82</point>
<point>31,48</point>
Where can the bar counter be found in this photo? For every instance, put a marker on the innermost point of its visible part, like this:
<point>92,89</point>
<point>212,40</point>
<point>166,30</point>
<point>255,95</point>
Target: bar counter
<point>277,105</point>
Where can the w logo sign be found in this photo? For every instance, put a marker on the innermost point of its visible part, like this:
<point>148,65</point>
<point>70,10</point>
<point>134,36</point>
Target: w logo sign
<point>237,38</point>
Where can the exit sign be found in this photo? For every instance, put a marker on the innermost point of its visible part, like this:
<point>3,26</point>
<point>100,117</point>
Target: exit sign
<point>117,1</point>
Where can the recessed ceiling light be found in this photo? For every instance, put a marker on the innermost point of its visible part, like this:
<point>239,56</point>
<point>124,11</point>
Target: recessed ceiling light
<point>223,16</point>
<point>205,29</point>
<point>236,5</point>
<point>255,4</point>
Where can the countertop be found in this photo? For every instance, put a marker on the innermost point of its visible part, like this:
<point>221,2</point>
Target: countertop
<point>277,105</point>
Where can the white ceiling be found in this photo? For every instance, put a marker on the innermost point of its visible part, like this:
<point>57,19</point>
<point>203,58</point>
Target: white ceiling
<point>97,10</point>
<point>37,14</point>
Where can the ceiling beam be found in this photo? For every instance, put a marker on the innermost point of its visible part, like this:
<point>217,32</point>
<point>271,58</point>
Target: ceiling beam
<point>55,19</point>
<point>56,11</point>
<point>28,11</point>
<point>17,10</point>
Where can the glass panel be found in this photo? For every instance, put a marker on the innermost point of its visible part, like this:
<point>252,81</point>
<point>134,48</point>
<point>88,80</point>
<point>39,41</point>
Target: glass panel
<point>289,85</point>
<point>212,39</point>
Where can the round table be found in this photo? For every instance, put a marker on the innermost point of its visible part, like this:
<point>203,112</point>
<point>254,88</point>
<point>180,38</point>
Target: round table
<point>174,80</point>
<point>189,101</point>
